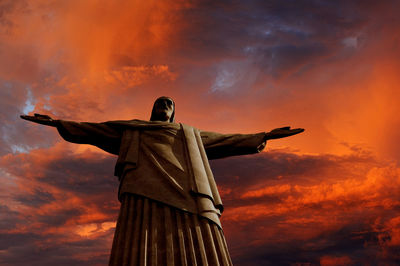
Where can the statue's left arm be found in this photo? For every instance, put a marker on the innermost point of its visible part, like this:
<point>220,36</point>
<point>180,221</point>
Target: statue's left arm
<point>223,145</point>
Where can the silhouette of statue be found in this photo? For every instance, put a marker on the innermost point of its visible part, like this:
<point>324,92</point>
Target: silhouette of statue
<point>170,205</point>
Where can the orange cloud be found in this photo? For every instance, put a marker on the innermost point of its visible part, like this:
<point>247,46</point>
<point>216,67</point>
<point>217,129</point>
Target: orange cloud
<point>130,76</point>
<point>270,190</point>
<point>333,261</point>
<point>230,68</point>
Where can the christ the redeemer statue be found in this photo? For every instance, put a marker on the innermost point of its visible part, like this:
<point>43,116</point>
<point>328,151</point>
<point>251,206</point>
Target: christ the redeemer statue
<point>170,205</point>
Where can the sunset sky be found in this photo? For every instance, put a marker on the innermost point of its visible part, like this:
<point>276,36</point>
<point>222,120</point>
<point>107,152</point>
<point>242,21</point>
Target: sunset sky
<point>329,196</point>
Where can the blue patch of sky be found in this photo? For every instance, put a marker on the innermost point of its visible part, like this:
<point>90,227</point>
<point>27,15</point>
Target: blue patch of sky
<point>224,80</point>
<point>351,42</point>
<point>29,103</point>
<point>233,76</point>
<point>20,149</point>
<point>46,106</point>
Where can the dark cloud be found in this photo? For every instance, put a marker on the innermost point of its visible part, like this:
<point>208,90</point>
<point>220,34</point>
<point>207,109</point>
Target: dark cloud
<point>8,219</point>
<point>59,218</point>
<point>275,167</point>
<point>303,205</point>
<point>64,212</point>
<point>289,33</point>
<point>344,242</point>
<point>38,250</point>
<point>80,175</point>
<point>38,197</point>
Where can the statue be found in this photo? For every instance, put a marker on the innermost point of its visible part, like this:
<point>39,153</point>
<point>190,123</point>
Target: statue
<point>170,205</point>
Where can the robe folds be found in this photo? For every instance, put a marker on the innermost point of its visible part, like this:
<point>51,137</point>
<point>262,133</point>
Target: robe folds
<point>165,162</point>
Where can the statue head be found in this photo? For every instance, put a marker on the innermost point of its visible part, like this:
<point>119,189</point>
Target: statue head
<point>163,110</point>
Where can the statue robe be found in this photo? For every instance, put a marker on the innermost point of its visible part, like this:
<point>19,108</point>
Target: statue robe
<point>166,163</point>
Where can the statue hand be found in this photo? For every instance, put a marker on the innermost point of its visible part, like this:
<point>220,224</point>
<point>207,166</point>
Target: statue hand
<point>282,132</point>
<point>40,119</point>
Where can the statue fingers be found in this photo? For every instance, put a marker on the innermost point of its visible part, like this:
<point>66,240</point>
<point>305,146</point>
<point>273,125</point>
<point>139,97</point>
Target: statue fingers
<point>28,117</point>
<point>40,119</point>
<point>297,131</point>
<point>42,116</point>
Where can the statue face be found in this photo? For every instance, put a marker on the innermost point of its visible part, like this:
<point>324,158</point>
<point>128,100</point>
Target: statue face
<point>163,109</point>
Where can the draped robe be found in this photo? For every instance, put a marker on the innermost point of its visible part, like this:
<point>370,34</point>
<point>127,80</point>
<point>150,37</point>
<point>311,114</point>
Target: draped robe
<point>165,163</point>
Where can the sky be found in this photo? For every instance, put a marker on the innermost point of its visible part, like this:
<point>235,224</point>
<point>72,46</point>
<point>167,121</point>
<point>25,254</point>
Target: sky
<point>329,196</point>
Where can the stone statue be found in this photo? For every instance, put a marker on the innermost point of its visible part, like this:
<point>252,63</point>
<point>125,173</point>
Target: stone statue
<point>170,205</point>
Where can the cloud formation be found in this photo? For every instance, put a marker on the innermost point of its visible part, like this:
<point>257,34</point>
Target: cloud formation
<point>337,207</point>
<point>329,199</point>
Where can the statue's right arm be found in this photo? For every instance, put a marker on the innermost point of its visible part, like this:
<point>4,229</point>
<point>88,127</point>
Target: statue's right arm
<point>102,135</point>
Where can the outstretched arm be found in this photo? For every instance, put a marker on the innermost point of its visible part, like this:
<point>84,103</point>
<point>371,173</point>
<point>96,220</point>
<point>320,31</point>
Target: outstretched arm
<point>219,145</point>
<point>282,132</point>
<point>223,145</point>
<point>102,135</point>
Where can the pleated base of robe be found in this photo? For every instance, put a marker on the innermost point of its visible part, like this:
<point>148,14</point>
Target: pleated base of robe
<point>152,233</point>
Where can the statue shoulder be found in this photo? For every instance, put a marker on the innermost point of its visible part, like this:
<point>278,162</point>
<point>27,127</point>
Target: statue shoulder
<point>187,127</point>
